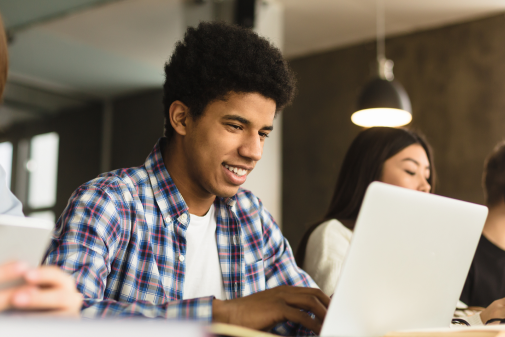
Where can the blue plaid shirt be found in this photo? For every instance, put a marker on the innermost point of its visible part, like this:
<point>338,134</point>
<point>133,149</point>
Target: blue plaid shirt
<point>122,233</point>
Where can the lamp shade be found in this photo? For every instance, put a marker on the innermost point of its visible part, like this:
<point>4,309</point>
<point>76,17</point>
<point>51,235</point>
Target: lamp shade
<point>383,103</point>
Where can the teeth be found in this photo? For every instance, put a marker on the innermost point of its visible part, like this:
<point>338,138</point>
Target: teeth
<point>236,170</point>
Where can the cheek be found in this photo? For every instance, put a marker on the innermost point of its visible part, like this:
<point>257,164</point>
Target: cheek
<point>398,178</point>
<point>389,176</point>
<point>408,183</point>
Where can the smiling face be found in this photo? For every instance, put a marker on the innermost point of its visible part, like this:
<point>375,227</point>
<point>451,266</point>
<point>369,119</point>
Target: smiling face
<point>223,145</point>
<point>409,168</point>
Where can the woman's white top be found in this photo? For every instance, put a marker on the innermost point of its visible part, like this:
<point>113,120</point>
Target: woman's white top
<point>325,253</point>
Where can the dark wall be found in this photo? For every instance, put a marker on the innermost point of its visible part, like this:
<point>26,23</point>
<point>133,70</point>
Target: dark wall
<point>455,77</point>
<point>137,125</point>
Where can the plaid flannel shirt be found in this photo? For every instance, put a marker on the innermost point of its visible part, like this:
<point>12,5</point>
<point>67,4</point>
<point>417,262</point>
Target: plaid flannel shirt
<point>122,235</point>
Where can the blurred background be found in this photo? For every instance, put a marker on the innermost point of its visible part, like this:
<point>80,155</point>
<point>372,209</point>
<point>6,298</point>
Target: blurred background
<point>84,92</point>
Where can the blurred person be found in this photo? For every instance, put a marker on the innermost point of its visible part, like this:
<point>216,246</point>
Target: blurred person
<point>486,278</point>
<point>178,237</point>
<point>395,156</point>
<point>46,288</point>
<point>9,204</point>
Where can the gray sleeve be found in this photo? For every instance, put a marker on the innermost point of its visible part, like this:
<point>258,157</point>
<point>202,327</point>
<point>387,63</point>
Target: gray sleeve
<point>8,202</point>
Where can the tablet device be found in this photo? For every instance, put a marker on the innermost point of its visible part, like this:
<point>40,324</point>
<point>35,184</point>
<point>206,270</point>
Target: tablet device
<point>23,239</point>
<point>407,262</point>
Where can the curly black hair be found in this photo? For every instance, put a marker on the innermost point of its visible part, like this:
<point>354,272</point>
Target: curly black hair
<point>216,59</point>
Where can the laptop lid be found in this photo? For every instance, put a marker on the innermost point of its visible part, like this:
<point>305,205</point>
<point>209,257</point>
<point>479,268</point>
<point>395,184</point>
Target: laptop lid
<point>407,262</point>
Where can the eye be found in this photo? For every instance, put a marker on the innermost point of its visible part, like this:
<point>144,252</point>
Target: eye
<point>410,172</point>
<point>235,126</point>
<point>263,135</point>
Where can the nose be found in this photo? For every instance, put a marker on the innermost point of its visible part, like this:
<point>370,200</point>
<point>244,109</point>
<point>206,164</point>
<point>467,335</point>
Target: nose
<point>424,185</point>
<point>251,147</point>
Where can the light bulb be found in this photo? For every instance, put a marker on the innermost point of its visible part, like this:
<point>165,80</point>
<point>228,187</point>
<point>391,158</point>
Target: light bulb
<point>381,117</point>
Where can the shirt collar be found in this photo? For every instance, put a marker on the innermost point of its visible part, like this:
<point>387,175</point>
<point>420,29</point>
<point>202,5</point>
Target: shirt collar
<point>167,195</point>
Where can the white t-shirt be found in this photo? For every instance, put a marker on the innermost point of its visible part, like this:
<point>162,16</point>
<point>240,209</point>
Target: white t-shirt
<point>203,272</point>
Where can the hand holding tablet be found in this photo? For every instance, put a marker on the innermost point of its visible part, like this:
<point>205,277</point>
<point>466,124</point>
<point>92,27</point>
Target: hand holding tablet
<point>47,290</point>
<point>24,239</point>
<point>23,285</point>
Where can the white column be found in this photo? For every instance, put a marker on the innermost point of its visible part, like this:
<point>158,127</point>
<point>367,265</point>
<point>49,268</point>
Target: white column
<point>266,179</point>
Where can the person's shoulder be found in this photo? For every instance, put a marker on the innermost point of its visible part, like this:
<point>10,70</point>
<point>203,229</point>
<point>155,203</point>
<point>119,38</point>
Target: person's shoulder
<point>116,182</point>
<point>250,210</point>
<point>328,242</point>
<point>247,200</point>
<point>332,228</point>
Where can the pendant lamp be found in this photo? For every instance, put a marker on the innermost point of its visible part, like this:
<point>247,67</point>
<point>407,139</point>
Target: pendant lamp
<point>383,101</point>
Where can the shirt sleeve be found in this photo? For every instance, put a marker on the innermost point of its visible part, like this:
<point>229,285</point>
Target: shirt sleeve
<point>8,203</point>
<point>281,269</point>
<point>85,245</point>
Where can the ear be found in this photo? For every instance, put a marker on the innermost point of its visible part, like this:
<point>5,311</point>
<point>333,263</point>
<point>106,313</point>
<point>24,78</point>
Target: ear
<point>178,115</point>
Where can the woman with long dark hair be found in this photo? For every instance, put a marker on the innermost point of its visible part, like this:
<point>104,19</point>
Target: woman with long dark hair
<point>397,156</point>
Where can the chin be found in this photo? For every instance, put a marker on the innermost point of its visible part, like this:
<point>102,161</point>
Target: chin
<point>227,192</point>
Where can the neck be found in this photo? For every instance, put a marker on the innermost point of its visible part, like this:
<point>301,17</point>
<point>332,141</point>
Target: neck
<point>177,165</point>
<point>494,228</point>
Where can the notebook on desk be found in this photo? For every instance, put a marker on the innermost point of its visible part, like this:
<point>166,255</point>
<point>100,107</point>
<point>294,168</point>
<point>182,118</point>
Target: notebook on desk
<point>407,263</point>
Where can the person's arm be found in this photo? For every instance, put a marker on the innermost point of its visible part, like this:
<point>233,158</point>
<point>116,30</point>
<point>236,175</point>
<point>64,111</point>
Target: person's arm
<point>266,309</point>
<point>46,289</point>
<point>494,310</point>
<point>480,316</point>
<point>85,244</point>
<point>289,289</point>
<point>281,269</point>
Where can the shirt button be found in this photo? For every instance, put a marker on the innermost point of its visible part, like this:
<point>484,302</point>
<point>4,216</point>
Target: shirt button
<point>181,258</point>
<point>183,217</point>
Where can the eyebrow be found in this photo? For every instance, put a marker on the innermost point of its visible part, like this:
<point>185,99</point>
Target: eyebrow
<point>244,121</point>
<point>414,161</point>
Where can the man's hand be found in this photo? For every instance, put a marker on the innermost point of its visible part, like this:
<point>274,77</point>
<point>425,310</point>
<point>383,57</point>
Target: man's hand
<point>494,310</point>
<point>264,310</point>
<point>47,288</point>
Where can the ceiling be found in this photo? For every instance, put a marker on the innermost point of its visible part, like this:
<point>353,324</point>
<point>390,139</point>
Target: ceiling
<point>318,25</point>
<point>98,49</point>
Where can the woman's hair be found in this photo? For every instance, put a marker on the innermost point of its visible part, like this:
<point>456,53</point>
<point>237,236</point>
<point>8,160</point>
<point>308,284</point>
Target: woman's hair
<point>494,176</point>
<point>362,165</point>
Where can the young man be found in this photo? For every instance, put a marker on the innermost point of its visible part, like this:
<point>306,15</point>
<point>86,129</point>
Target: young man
<point>486,280</point>
<point>46,288</point>
<point>178,237</point>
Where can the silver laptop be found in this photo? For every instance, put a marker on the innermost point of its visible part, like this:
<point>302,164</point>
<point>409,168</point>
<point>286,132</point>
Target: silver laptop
<point>407,262</point>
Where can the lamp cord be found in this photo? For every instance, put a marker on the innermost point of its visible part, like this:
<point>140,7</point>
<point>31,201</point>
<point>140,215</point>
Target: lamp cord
<point>381,35</point>
<point>384,66</point>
